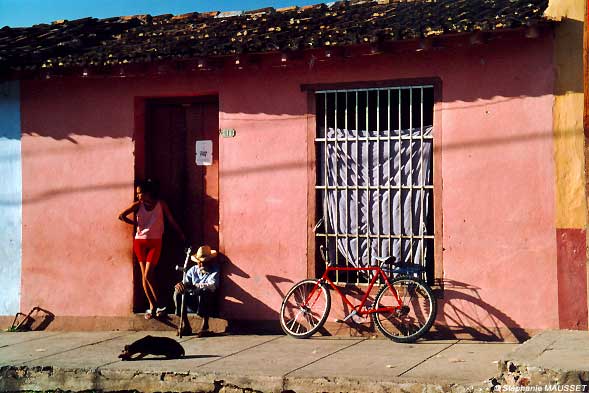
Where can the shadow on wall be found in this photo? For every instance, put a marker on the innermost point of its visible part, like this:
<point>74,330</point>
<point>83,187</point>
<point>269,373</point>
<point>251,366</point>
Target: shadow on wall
<point>15,200</point>
<point>37,319</point>
<point>570,56</point>
<point>284,166</point>
<point>275,281</point>
<point>235,301</point>
<point>462,314</point>
<point>470,73</point>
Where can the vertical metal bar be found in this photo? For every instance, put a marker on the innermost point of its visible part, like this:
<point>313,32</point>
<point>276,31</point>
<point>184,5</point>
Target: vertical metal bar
<point>422,184</point>
<point>357,180</point>
<point>346,185</point>
<point>391,158</point>
<point>400,173</point>
<point>378,189</point>
<point>336,179</point>
<point>325,186</point>
<point>411,189</point>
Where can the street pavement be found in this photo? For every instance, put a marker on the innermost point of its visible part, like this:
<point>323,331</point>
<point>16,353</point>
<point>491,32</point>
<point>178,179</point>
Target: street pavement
<point>87,361</point>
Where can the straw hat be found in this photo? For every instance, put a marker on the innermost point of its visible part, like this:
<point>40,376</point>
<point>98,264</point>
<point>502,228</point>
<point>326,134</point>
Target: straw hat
<point>203,254</point>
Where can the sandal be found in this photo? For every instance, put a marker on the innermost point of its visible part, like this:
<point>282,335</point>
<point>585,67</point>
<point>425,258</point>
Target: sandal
<point>160,312</point>
<point>148,314</point>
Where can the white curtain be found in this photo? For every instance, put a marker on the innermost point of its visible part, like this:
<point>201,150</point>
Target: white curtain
<point>367,160</point>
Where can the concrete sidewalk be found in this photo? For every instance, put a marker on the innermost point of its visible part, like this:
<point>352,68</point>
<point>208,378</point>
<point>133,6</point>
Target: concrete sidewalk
<point>88,361</point>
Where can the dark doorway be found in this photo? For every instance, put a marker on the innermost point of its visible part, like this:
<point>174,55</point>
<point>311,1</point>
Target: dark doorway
<point>172,127</point>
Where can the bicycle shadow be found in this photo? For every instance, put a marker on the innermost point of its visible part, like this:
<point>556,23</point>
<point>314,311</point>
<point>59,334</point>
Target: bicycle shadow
<point>355,325</point>
<point>463,314</point>
<point>275,281</point>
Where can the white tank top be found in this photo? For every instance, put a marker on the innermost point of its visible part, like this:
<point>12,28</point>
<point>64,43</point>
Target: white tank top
<point>150,223</point>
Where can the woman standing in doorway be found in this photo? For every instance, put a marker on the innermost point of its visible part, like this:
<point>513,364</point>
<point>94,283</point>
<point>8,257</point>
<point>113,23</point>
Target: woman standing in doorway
<point>149,212</point>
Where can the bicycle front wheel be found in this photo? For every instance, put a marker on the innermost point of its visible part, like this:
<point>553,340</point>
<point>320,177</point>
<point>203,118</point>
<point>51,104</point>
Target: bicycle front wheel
<point>305,308</point>
<point>416,313</point>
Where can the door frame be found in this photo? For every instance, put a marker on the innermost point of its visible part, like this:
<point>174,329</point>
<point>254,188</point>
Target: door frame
<point>141,112</point>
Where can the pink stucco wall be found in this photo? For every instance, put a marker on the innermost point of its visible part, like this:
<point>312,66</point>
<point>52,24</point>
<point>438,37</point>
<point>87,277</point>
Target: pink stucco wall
<point>499,258</point>
<point>498,198</point>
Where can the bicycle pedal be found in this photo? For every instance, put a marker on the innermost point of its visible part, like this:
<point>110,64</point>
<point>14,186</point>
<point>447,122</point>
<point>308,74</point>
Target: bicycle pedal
<point>350,315</point>
<point>337,320</point>
<point>359,319</point>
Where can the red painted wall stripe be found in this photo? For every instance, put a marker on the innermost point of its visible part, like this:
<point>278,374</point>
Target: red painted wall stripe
<point>572,278</point>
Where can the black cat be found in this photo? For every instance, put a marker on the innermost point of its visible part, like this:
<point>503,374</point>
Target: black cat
<point>150,345</point>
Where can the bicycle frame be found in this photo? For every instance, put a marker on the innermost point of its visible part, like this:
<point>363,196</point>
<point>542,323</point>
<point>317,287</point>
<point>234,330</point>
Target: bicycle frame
<point>402,308</point>
<point>358,309</point>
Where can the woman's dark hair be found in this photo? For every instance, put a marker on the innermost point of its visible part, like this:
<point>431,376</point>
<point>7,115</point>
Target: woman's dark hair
<point>149,186</point>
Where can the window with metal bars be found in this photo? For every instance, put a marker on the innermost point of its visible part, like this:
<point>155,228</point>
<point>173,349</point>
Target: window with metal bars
<point>374,180</point>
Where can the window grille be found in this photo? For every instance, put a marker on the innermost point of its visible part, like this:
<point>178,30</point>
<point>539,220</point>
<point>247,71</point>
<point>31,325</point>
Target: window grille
<point>374,180</point>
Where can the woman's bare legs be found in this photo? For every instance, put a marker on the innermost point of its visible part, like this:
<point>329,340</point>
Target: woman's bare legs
<point>146,273</point>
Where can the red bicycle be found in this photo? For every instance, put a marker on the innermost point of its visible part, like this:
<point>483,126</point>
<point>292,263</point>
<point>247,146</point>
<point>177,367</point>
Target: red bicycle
<point>404,309</point>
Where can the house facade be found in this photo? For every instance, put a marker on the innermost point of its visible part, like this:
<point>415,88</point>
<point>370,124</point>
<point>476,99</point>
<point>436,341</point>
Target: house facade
<point>486,113</point>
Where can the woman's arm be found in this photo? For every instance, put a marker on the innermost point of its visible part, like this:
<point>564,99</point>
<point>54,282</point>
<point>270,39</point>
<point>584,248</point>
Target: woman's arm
<point>131,209</point>
<point>168,215</point>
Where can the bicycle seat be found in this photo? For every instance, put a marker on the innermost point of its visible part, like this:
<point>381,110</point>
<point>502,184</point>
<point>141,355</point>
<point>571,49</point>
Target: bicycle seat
<point>393,266</point>
<point>404,269</point>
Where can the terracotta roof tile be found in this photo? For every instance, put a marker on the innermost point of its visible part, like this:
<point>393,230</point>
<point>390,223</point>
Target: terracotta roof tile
<point>287,9</point>
<point>261,11</point>
<point>143,38</point>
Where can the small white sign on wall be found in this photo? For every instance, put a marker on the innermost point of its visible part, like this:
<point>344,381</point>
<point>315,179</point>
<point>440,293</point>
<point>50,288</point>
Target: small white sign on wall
<point>204,152</point>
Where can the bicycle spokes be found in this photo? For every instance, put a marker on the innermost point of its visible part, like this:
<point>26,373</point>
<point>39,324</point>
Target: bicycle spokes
<point>304,309</point>
<point>409,317</point>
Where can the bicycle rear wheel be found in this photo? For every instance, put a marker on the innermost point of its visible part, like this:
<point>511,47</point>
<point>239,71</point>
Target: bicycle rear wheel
<point>305,308</point>
<point>416,315</point>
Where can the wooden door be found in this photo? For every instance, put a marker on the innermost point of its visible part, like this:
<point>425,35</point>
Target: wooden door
<point>191,191</point>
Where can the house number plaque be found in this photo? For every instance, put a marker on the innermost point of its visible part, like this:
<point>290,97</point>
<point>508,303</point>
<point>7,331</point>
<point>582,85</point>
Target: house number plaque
<point>227,132</point>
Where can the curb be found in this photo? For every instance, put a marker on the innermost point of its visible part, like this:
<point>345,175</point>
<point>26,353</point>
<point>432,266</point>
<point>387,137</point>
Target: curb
<point>22,378</point>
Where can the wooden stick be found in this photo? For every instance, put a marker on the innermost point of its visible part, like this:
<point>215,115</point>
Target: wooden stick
<point>184,269</point>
